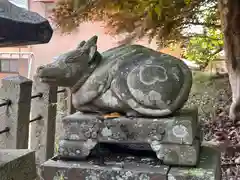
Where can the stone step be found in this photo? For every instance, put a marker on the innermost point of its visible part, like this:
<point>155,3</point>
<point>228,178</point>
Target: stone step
<point>17,164</point>
<point>170,154</point>
<point>182,128</point>
<point>209,167</point>
<point>116,168</point>
<point>132,168</point>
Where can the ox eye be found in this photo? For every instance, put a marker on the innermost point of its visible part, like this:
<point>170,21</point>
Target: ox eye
<point>76,56</point>
<point>70,60</point>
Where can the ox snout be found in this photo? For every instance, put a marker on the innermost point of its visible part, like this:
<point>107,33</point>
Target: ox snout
<point>49,73</point>
<point>40,69</point>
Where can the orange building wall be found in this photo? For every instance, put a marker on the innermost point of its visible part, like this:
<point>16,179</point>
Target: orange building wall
<point>23,69</point>
<point>23,63</point>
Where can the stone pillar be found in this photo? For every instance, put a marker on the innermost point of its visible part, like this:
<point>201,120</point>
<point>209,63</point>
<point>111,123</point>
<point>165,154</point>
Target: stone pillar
<point>43,129</point>
<point>15,116</point>
<point>70,107</point>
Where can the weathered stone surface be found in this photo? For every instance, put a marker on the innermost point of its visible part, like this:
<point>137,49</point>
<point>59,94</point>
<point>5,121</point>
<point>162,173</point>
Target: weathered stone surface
<point>17,164</point>
<point>207,169</point>
<point>16,89</point>
<point>170,154</point>
<point>177,154</point>
<point>22,27</point>
<point>75,149</point>
<point>125,168</point>
<point>43,130</point>
<point>130,79</point>
<point>79,126</point>
<point>171,138</point>
<point>179,129</point>
<point>121,167</point>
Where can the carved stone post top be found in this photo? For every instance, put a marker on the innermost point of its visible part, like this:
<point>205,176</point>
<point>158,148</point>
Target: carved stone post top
<point>17,80</point>
<point>11,11</point>
<point>22,27</point>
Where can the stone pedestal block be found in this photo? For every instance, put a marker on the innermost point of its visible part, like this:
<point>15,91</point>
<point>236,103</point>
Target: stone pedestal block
<point>179,129</point>
<point>17,164</point>
<point>115,168</point>
<point>173,138</point>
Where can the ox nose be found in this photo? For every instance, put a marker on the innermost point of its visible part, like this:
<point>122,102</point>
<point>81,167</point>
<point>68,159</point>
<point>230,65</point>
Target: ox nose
<point>39,69</point>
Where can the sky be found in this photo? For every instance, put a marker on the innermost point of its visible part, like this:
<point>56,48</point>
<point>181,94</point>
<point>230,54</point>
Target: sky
<point>20,3</point>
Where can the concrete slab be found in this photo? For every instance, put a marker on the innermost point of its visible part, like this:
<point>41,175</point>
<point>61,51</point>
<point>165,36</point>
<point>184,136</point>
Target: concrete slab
<point>17,164</point>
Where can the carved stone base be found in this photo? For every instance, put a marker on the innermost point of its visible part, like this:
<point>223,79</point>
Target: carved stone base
<point>178,129</point>
<point>173,138</point>
<point>132,168</point>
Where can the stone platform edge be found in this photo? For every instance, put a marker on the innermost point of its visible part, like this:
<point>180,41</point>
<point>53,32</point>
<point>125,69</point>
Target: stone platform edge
<point>17,164</point>
<point>208,168</point>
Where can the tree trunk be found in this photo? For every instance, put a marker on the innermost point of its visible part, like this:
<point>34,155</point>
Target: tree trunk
<point>230,18</point>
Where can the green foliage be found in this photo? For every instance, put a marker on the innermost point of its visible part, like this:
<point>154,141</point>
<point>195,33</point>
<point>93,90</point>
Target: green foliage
<point>187,2</point>
<point>163,19</point>
<point>203,48</point>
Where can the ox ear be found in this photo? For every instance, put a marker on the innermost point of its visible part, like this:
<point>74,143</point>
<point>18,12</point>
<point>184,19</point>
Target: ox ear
<point>92,41</point>
<point>81,44</point>
<point>91,48</point>
<point>92,53</point>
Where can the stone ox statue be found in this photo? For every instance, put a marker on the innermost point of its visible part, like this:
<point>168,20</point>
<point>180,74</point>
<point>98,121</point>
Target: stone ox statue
<point>129,79</point>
